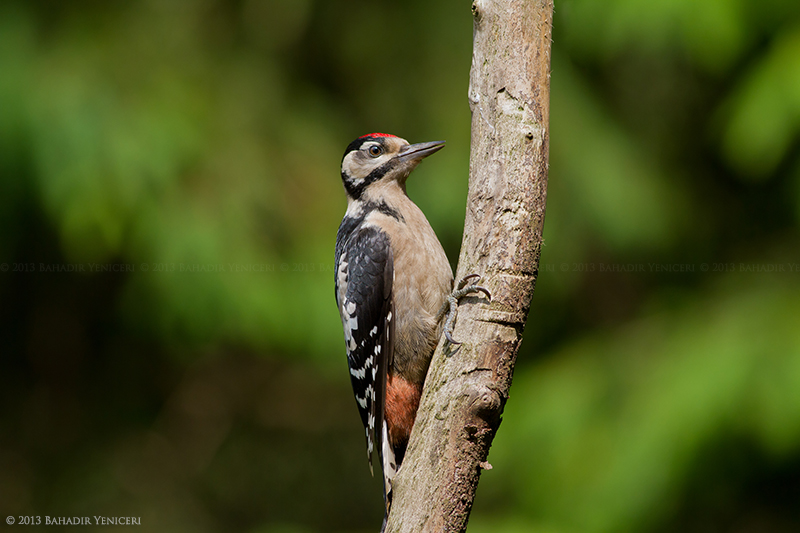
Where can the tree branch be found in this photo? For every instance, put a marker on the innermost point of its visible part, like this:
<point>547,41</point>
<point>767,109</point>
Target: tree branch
<point>465,392</point>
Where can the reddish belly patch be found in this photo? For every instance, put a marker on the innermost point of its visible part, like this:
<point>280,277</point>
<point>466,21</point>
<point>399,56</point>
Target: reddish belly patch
<point>402,401</point>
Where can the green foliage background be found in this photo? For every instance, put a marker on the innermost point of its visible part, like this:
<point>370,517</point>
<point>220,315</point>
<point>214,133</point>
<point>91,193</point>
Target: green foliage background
<point>169,199</point>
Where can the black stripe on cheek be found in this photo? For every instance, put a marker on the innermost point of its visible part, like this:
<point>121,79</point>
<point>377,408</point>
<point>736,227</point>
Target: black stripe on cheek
<point>355,190</point>
<point>380,172</point>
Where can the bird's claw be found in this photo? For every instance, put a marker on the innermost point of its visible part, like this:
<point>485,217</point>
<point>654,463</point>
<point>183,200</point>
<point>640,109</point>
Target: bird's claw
<point>450,338</point>
<point>463,289</point>
<point>465,279</point>
<point>484,290</point>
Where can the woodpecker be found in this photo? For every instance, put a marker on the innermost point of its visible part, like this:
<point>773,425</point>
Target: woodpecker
<point>394,289</point>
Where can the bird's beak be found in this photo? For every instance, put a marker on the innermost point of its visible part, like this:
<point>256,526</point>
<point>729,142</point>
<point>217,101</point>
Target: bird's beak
<point>415,152</point>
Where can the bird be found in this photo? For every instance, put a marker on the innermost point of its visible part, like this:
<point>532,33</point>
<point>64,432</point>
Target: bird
<point>394,290</point>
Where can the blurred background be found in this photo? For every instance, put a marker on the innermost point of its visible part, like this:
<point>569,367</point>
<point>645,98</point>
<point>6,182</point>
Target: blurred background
<point>169,199</point>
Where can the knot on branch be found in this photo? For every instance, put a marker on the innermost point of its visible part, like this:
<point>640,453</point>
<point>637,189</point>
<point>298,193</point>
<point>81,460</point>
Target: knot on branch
<point>485,404</point>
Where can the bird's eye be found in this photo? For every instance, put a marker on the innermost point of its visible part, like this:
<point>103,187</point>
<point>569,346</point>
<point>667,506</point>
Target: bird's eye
<point>375,150</point>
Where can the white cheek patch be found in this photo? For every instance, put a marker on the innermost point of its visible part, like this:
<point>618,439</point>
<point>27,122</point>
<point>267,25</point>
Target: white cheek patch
<point>357,167</point>
<point>351,167</point>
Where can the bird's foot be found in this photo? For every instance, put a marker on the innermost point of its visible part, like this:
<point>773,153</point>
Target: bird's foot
<point>450,308</point>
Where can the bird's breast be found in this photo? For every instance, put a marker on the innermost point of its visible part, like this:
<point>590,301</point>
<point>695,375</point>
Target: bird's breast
<point>422,281</point>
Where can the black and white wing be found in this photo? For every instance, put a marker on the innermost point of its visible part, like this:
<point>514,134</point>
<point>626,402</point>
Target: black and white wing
<point>364,276</point>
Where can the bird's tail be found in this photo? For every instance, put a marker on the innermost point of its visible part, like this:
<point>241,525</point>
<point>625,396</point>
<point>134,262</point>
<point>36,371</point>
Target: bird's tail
<point>389,467</point>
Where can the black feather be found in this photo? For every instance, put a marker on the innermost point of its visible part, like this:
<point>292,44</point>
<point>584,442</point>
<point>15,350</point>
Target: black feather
<point>365,272</point>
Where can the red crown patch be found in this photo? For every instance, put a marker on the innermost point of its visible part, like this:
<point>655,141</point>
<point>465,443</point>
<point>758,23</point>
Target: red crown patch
<point>377,135</point>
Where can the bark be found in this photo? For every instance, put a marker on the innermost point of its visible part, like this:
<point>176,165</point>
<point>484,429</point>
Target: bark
<point>465,392</point>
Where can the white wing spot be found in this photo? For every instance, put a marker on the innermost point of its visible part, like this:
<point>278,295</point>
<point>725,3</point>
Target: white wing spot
<point>361,372</point>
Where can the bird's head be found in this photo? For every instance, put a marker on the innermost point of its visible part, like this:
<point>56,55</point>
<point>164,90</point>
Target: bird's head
<point>380,158</point>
